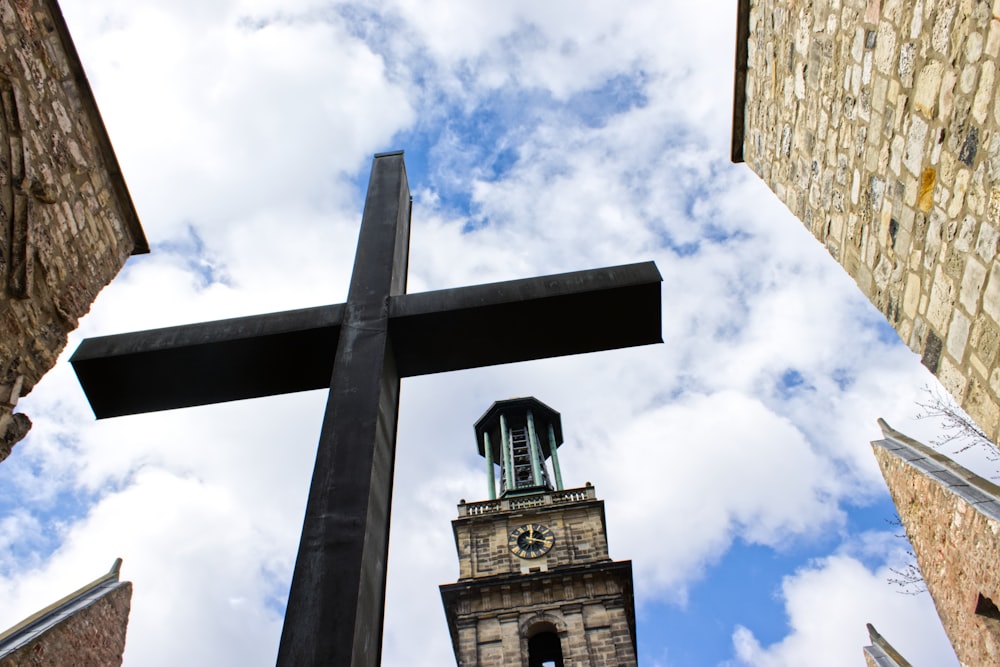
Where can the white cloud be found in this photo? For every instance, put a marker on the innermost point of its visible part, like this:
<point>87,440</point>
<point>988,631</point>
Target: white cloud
<point>824,603</point>
<point>208,109</point>
<point>701,472</point>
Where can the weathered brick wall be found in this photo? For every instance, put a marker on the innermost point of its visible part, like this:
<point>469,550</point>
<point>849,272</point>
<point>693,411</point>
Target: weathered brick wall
<point>952,519</point>
<point>875,122</point>
<point>92,637</point>
<point>67,224</point>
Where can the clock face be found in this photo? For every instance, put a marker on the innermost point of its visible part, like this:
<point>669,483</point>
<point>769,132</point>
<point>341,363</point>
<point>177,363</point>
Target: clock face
<point>531,540</point>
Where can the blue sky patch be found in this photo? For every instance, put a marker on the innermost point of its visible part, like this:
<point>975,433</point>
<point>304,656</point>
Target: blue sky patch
<point>618,95</point>
<point>741,589</point>
<point>67,506</point>
<point>191,250</point>
<point>792,383</point>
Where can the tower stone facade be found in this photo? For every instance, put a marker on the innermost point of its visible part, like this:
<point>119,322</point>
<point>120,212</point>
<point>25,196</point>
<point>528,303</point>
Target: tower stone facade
<point>536,584</point>
<point>875,122</point>
<point>67,223</point>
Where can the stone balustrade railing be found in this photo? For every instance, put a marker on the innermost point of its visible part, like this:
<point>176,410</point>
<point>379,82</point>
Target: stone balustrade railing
<point>529,500</point>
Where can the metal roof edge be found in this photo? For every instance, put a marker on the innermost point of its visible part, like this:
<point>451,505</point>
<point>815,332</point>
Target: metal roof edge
<point>882,652</point>
<point>979,492</point>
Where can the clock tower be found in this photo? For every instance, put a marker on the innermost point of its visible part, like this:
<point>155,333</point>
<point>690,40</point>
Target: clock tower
<point>536,586</point>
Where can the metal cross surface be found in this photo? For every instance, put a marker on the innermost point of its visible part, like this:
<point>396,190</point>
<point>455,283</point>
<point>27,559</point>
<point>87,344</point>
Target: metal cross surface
<point>360,350</point>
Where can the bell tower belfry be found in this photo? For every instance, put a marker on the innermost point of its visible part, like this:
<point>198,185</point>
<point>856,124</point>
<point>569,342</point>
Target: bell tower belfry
<point>536,585</point>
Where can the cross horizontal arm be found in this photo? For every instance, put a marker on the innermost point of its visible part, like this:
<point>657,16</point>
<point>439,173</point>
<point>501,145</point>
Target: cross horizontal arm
<point>211,362</point>
<point>520,320</point>
<point>431,332</point>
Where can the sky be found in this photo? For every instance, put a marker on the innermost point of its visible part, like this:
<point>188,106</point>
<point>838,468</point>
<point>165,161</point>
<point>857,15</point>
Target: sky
<point>734,458</point>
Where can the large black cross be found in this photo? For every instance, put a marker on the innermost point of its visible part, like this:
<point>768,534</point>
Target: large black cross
<point>335,605</point>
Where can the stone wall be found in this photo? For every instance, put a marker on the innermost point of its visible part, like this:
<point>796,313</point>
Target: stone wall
<point>952,519</point>
<point>67,223</point>
<point>875,122</point>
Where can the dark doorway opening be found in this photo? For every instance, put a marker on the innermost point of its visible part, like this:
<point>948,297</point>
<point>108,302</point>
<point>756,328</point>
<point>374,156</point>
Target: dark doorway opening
<point>544,650</point>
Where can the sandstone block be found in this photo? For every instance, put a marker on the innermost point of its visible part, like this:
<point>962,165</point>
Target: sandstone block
<point>993,39</point>
<point>981,406</point>
<point>972,284</point>
<point>986,243</point>
<point>952,378</point>
<point>885,48</point>
<point>991,295</point>
<point>984,95</point>
<point>916,140</point>
<point>958,335</point>
<point>911,295</point>
<point>907,61</point>
<point>946,100</point>
<point>942,301</point>
<point>958,192</point>
<point>925,195</point>
<point>928,88</point>
<point>985,341</point>
<point>941,30</point>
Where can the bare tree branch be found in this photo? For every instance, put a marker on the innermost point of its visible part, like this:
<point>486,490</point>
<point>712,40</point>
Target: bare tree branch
<point>908,578</point>
<point>958,427</point>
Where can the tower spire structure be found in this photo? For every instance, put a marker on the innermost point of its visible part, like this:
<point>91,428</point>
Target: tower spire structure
<point>518,436</point>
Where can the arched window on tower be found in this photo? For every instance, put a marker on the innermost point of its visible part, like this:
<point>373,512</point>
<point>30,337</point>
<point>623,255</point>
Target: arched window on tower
<point>544,648</point>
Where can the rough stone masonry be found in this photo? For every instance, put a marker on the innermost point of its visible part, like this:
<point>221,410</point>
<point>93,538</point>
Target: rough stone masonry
<point>876,122</point>
<point>952,519</point>
<point>67,223</point>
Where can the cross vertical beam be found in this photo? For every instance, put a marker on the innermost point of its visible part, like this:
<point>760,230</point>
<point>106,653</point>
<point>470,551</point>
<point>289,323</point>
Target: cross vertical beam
<point>336,601</point>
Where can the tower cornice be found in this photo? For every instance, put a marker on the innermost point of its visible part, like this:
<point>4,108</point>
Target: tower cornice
<point>533,501</point>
